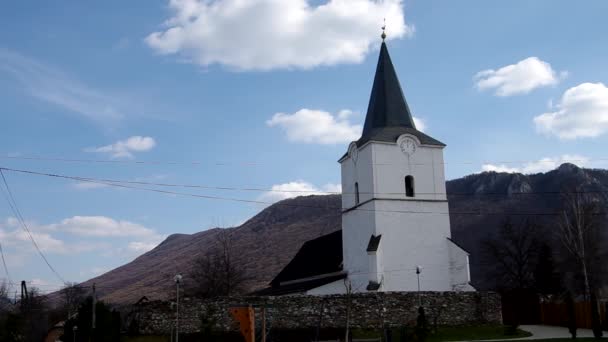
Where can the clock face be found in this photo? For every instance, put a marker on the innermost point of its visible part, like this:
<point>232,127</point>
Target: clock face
<point>407,146</point>
<point>353,151</point>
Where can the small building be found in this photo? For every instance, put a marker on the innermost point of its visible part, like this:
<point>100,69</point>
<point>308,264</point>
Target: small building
<point>395,218</point>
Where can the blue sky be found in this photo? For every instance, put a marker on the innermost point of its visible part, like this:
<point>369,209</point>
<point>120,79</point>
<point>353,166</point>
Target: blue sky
<point>267,94</point>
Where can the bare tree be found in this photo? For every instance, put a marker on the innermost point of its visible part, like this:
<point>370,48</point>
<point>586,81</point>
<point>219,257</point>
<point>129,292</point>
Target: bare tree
<point>513,252</point>
<point>4,300</point>
<point>579,232</point>
<point>217,273</point>
<point>73,295</point>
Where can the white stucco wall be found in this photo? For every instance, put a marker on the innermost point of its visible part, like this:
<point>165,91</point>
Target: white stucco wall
<point>336,287</point>
<point>357,227</point>
<point>414,231</point>
<point>416,236</point>
<point>391,166</point>
<point>359,172</point>
<point>459,266</point>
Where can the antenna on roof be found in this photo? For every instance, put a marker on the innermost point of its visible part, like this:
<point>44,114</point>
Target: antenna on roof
<point>383,35</point>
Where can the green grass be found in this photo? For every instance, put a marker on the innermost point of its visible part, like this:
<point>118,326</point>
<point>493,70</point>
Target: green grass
<point>469,333</point>
<point>145,339</point>
<point>482,332</point>
<point>586,339</point>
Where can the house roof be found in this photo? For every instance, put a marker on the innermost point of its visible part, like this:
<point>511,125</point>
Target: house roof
<point>322,255</point>
<point>318,262</point>
<point>388,115</point>
<point>299,287</point>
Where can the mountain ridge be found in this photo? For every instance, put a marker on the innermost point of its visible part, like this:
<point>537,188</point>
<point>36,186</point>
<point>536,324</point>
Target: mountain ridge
<point>267,241</point>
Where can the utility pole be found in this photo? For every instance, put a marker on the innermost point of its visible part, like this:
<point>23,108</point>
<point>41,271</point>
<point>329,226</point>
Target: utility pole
<point>418,271</point>
<point>178,279</point>
<point>24,296</point>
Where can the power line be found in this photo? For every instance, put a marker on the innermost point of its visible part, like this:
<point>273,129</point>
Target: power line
<point>106,181</point>
<point>13,204</point>
<point>241,200</point>
<point>199,163</point>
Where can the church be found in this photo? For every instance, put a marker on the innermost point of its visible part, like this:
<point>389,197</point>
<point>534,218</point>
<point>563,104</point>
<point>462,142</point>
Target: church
<point>395,232</point>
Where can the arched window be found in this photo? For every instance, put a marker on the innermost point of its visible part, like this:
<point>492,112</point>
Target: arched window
<point>409,186</point>
<point>356,193</point>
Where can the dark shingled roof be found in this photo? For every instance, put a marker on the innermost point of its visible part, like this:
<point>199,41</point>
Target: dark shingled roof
<point>374,242</point>
<point>388,115</point>
<point>298,287</point>
<point>318,256</point>
<point>318,262</point>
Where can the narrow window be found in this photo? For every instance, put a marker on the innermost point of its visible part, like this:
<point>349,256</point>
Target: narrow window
<point>409,186</point>
<point>356,193</point>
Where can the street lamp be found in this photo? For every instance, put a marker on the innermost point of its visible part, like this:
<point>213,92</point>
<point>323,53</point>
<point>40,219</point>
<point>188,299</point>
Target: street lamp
<point>178,279</point>
<point>418,271</point>
<point>74,328</point>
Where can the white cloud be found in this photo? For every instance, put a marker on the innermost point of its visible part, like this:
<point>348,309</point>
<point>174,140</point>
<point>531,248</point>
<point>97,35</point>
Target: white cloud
<point>581,112</point>
<point>126,148</point>
<point>270,34</point>
<point>297,188</point>
<point>320,127</point>
<point>542,165</point>
<point>100,226</point>
<point>89,185</point>
<point>519,78</point>
<point>499,168</point>
<point>317,126</point>
<point>54,86</point>
<point>18,238</point>
<point>420,124</point>
<point>97,227</point>
<point>142,247</point>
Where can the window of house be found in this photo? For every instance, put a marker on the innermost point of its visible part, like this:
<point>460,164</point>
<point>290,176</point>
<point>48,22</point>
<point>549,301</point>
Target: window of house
<point>409,186</point>
<point>356,193</point>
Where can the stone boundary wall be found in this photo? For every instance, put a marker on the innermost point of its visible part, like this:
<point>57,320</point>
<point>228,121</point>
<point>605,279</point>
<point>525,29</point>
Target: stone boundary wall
<point>368,310</point>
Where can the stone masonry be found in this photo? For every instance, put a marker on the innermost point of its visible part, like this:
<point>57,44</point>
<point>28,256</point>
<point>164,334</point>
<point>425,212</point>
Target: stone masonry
<point>368,310</point>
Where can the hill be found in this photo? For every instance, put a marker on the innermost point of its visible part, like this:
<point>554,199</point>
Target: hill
<point>479,203</point>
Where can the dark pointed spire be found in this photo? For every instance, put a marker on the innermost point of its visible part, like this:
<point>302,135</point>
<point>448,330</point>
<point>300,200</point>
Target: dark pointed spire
<point>388,114</point>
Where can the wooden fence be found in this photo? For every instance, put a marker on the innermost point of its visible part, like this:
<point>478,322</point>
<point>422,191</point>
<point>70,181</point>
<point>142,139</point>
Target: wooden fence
<point>557,314</point>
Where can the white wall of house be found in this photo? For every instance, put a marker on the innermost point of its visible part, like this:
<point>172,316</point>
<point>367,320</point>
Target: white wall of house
<point>415,230</point>
<point>336,287</point>
<point>459,265</point>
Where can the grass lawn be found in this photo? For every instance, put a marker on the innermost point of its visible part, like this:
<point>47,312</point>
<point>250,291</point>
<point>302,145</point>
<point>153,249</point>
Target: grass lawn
<point>587,339</point>
<point>145,339</point>
<point>470,333</point>
<point>482,332</point>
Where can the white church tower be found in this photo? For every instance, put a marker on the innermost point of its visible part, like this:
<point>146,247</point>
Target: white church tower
<point>395,216</point>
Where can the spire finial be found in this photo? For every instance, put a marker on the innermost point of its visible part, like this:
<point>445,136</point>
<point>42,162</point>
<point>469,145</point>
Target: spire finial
<point>383,35</point>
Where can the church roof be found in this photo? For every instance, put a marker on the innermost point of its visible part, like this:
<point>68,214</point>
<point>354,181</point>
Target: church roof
<point>318,262</point>
<point>388,115</point>
<point>322,255</point>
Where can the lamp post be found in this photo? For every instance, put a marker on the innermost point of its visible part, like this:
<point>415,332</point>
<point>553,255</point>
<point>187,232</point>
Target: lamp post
<point>74,328</point>
<point>178,279</point>
<point>418,271</point>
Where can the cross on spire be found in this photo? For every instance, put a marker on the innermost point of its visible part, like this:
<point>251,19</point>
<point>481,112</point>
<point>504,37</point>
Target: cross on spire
<point>383,35</point>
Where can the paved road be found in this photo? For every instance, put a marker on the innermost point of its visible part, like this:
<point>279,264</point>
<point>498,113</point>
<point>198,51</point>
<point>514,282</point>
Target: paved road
<point>546,331</point>
<point>540,332</point>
